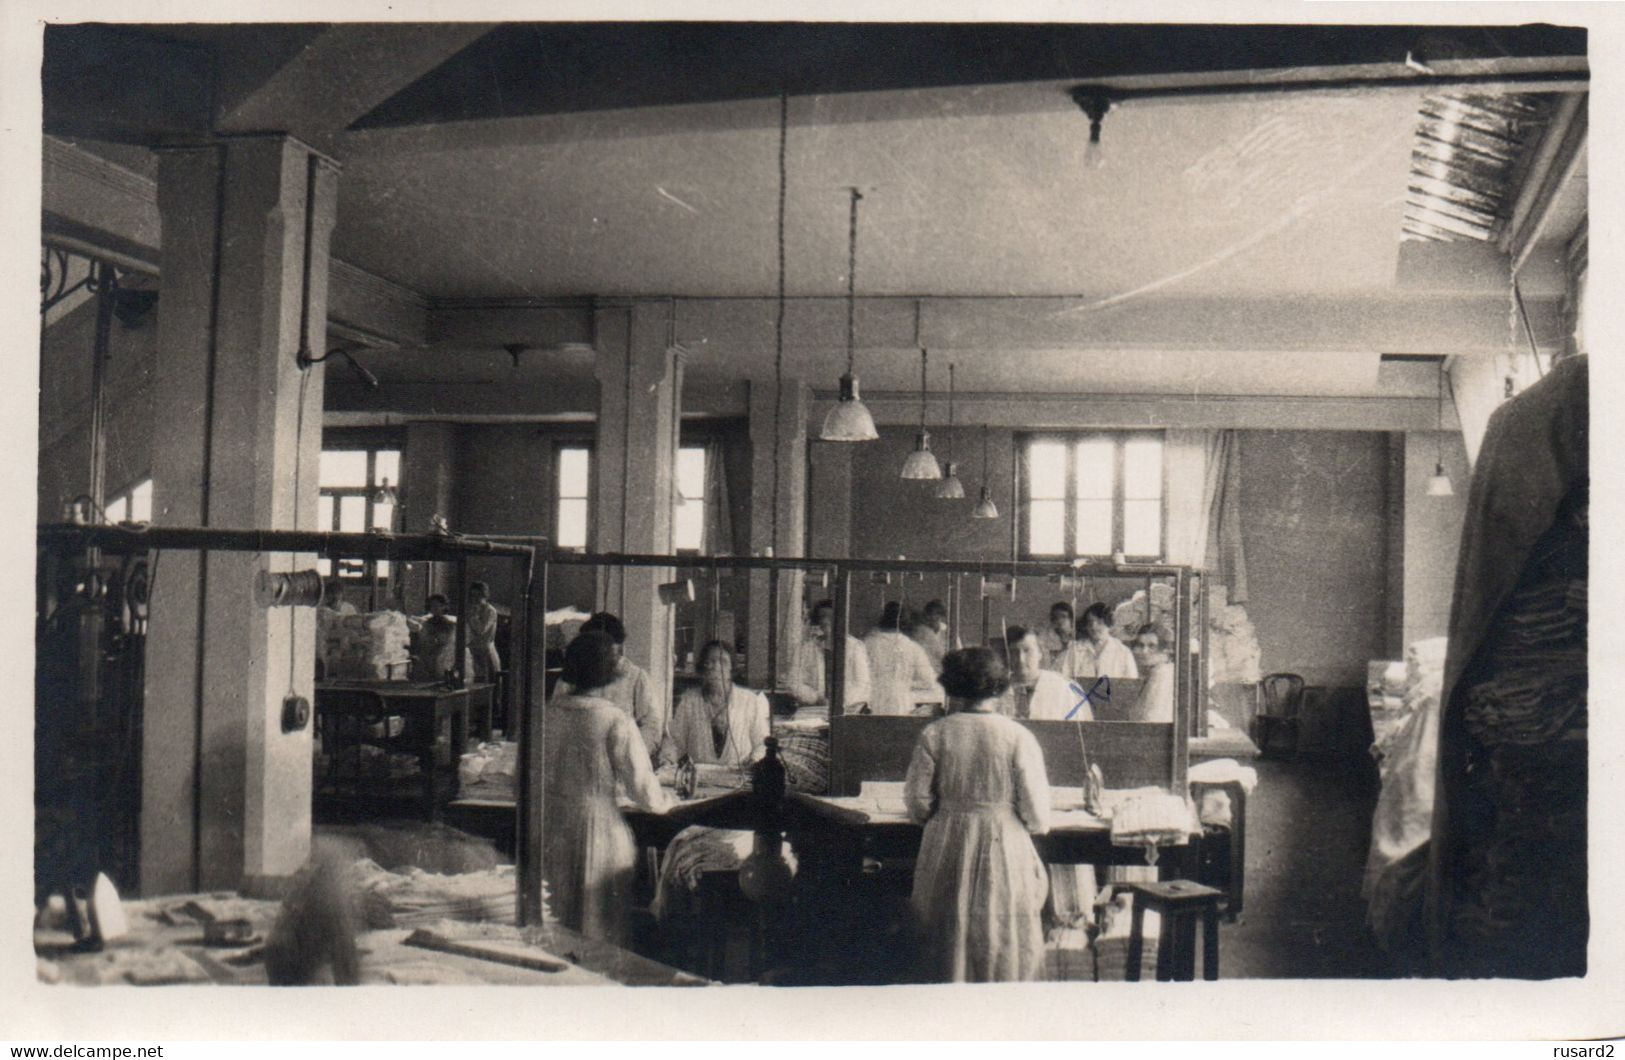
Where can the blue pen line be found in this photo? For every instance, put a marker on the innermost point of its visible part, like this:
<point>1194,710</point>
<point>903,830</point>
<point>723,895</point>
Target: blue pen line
<point>1105,695</point>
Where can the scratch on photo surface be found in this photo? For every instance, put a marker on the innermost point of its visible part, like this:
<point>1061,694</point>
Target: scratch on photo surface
<point>668,195</point>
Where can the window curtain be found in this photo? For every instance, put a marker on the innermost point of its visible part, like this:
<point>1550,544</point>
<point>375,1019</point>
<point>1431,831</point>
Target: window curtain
<point>1204,509</point>
<point>1224,556</point>
<point>719,536</point>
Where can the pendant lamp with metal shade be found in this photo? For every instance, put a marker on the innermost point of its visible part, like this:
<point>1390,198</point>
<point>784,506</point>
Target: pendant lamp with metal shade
<point>922,463</point>
<point>950,488</point>
<point>985,508</point>
<point>849,420</point>
<point>1439,484</point>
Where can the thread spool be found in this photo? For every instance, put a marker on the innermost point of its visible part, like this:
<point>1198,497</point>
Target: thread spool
<point>300,588</point>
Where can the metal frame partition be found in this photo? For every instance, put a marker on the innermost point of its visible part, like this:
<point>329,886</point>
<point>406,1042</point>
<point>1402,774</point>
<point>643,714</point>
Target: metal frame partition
<point>841,574</point>
<point>70,555</point>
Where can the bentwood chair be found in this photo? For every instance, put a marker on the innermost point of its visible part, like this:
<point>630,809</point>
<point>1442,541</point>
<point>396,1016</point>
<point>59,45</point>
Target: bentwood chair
<point>1280,704</point>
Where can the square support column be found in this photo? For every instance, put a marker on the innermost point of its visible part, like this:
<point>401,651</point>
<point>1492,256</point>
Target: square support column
<point>225,791</point>
<point>778,438</point>
<point>640,403</point>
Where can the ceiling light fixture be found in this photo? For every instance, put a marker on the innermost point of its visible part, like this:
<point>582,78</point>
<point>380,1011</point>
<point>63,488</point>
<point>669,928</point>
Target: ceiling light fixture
<point>1439,484</point>
<point>849,420</point>
<point>950,488</point>
<point>985,508</point>
<point>1094,102</point>
<point>921,463</point>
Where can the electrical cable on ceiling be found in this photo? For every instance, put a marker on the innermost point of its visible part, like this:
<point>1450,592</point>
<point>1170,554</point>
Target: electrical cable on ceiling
<point>778,322</point>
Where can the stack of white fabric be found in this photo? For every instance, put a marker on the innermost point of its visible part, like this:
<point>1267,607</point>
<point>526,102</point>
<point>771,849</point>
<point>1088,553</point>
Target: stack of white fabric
<point>488,772</point>
<point>412,897</point>
<point>372,647</point>
<point>1214,809</point>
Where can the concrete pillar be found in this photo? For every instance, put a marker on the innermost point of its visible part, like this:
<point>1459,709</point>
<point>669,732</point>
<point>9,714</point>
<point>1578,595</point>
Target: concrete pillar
<point>640,395</point>
<point>225,792</point>
<point>778,436</point>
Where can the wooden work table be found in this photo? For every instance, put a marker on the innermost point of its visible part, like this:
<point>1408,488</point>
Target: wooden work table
<point>426,721</point>
<point>858,828</point>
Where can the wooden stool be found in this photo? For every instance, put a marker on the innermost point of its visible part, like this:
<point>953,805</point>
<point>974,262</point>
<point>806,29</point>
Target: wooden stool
<point>1178,903</point>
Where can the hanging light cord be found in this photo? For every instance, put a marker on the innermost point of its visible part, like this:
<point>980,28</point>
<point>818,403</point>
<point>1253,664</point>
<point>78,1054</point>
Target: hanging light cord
<point>1439,430</point>
<point>778,322</point>
<point>950,414</point>
<point>922,389</point>
<point>852,283</point>
<point>984,456</point>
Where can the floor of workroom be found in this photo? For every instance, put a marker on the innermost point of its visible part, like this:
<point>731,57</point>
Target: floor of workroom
<point>1308,831</point>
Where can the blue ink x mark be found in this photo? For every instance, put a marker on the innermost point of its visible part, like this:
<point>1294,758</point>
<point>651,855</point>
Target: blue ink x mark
<point>1102,685</point>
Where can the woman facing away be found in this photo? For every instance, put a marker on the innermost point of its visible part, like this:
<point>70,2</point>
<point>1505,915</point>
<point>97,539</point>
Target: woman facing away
<point>718,723</point>
<point>977,782</point>
<point>592,747</point>
<point>900,671</point>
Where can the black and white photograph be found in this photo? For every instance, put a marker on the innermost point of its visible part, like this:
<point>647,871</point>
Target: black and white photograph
<point>722,504</point>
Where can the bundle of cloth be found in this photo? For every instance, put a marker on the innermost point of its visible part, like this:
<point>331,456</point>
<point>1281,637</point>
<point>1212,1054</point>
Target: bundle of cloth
<point>694,851</point>
<point>370,647</point>
<point>1403,819</point>
<point>488,771</point>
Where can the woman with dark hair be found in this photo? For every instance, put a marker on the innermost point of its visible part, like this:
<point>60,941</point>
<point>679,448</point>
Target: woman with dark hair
<point>630,688</point>
<point>1096,653</point>
<point>718,723</point>
<point>977,782</point>
<point>592,748</point>
<point>900,672</point>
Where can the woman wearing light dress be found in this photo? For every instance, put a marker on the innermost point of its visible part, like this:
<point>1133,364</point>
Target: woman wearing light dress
<point>718,723</point>
<point>593,750</point>
<point>900,671</point>
<point>977,783</point>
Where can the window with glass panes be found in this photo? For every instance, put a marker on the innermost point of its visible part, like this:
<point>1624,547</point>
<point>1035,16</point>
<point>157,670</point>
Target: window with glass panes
<point>132,505</point>
<point>572,495</point>
<point>353,501</point>
<point>688,517</point>
<point>1093,494</point>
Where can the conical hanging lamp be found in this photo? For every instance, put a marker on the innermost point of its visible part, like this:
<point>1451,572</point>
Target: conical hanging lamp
<point>849,420</point>
<point>1439,484</point>
<point>950,488</point>
<point>985,508</point>
<point>922,463</point>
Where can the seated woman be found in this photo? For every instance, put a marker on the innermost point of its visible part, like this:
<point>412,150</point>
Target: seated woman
<point>977,782</point>
<point>718,723</point>
<point>592,748</point>
<point>1156,702</point>
<point>900,671</point>
<point>1096,653</point>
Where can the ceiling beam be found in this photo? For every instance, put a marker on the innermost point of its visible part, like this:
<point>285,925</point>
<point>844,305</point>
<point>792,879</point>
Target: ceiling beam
<point>94,207</point>
<point>1555,164</point>
<point>535,69</point>
<point>1178,411</point>
<point>334,78</point>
